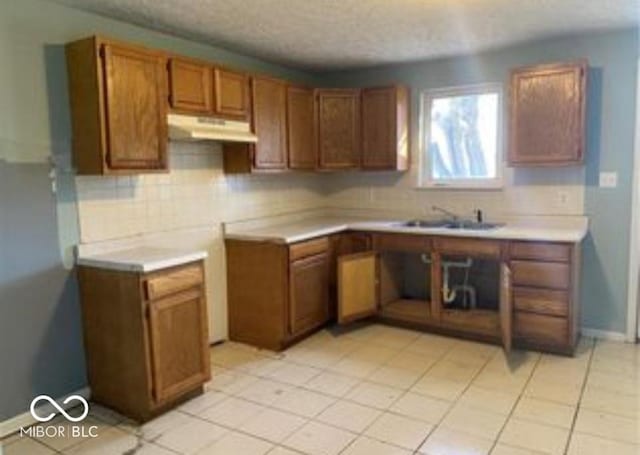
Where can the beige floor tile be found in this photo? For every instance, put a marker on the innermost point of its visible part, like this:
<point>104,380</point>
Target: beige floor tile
<point>547,412</point>
<point>374,395</point>
<point>198,404</point>
<point>368,446</point>
<point>431,410</point>
<point>585,444</point>
<point>535,436</point>
<point>353,367</point>
<point>149,448</point>
<point>564,393</point>
<point>282,451</point>
<point>608,426</point>
<point>25,446</point>
<point>304,403</point>
<point>106,415</point>
<point>349,416</point>
<point>444,441</point>
<point>614,382</point>
<point>474,421</point>
<point>230,357</point>
<point>191,436</point>
<point>611,402</point>
<point>231,382</point>
<point>319,439</point>
<point>332,383</point>
<point>394,377</point>
<point>502,382</point>
<point>291,373</point>
<point>412,362</point>
<point>63,437</point>
<point>514,363</point>
<point>272,425</point>
<point>231,412</point>
<point>114,440</point>
<point>616,365</point>
<point>442,388</point>
<point>455,371</point>
<point>625,351</point>
<point>264,391</point>
<point>373,353</point>
<point>399,430</point>
<point>489,400</point>
<point>261,366</point>
<point>237,444</point>
<point>504,449</point>
<point>558,372</point>
<point>431,345</point>
<point>467,352</point>
<point>154,428</point>
<point>317,358</point>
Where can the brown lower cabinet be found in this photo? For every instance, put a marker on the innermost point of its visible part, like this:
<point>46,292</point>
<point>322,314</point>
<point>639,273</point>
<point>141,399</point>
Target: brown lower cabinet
<point>518,294</point>
<point>145,337</point>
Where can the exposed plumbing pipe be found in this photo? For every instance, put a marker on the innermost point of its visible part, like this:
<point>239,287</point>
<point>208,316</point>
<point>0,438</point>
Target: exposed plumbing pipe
<point>449,293</point>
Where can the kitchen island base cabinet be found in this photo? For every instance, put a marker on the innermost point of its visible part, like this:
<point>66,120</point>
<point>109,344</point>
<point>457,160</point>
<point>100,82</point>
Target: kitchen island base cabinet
<point>145,337</point>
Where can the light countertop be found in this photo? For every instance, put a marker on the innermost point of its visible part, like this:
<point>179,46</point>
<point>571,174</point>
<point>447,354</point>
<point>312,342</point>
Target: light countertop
<point>140,259</point>
<point>550,230</point>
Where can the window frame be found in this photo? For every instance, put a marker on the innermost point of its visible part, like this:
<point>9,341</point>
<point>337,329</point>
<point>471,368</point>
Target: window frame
<point>424,175</point>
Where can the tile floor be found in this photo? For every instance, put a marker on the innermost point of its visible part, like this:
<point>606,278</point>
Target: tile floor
<point>383,390</point>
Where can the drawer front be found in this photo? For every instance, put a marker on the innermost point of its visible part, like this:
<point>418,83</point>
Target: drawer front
<point>541,301</point>
<point>308,248</point>
<point>170,282</point>
<point>536,328</point>
<point>554,252</point>
<point>402,242</point>
<point>468,247</point>
<point>553,275</point>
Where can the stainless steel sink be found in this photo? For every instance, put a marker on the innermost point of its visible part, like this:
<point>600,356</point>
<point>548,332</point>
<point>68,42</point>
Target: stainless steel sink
<point>448,224</point>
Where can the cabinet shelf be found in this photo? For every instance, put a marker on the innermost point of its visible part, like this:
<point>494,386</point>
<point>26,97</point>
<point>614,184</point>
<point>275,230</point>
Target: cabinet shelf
<point>409,310</point>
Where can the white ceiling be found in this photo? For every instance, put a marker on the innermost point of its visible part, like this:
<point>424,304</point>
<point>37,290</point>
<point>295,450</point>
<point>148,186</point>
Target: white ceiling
<point>330,34</point>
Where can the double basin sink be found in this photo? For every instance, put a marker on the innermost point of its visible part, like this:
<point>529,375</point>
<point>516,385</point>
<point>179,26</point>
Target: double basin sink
<point>451,224</point>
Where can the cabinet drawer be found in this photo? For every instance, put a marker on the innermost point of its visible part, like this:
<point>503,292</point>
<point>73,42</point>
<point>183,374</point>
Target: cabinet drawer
<point>541,301</point>
<point>541,274</point>
<point>468,247</point>
<point>554,252</point>
<point>536,328</point>
<point>308,248</point>
<point>402,242</point>
<point>173,281</point>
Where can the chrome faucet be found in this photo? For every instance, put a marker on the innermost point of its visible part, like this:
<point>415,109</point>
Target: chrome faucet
<point>453,216</point>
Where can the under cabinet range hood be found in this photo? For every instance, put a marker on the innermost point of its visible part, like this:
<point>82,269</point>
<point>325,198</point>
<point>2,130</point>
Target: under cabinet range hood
<point>192,128</point>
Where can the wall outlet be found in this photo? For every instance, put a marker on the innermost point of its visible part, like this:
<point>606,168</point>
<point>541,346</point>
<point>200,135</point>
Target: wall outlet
<point>608,179</point>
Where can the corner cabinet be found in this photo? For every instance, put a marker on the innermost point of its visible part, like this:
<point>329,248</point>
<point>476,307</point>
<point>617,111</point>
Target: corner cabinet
<point>547,115</point>
<point>118,98</point>
<point>339,140</point>
<point>385,128</point>
<point>145,337</point>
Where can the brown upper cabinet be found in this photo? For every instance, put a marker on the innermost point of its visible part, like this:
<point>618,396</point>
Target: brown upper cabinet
<point>385,134</point>
<point>547,115</point>
<point>189,86</point>
<point>231,94</point>
<point>301,128</point>
<point>269,102</point>
<point>118,107</point>
<point>338,112</point>
<point>197,88</point>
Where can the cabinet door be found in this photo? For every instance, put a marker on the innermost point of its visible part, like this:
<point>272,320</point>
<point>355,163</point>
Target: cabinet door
<point>136,118</point>
<point>231,94</point>
<point>309,293</point>
<point>338,129</point>
<point>506,306</point>
<point>357,286</point>
<point>189,86</point>
<point>269,123</point>
<point>178,343</point>
<point>384,128</point>
<point>547,115</point>
<point>301,132</point>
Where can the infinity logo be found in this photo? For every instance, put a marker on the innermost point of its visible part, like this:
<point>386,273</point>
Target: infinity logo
<point>61,410</point>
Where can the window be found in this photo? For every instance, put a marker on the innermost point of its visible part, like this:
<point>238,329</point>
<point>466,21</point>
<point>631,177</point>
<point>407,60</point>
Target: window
<point>461,130</point>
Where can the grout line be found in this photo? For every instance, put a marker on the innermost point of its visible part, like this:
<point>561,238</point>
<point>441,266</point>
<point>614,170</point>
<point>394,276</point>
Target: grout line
<point>515,405</point>
<point>582,388</point>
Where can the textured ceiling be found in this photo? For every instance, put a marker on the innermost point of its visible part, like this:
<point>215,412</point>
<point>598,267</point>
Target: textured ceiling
<point>330,34</point>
